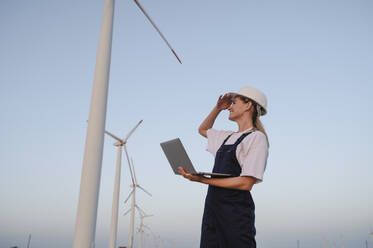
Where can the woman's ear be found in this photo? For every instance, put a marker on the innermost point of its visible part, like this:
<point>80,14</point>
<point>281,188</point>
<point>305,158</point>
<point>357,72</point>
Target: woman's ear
<point>249,105</point>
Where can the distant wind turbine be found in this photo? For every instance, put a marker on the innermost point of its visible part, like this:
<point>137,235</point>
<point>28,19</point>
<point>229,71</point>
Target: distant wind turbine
<point>154,236</point>
<point>342,241</point>
<point>143,215</point>
<point>335,244</point>
<point>29,241</point>
<point>114,214</point>
<point>134,206</point>
<point>326,242</point>
<point>86,218</point>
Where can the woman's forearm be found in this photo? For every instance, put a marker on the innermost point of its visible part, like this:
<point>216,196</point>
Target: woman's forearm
<point>209,121</point>
<point>240,183</point>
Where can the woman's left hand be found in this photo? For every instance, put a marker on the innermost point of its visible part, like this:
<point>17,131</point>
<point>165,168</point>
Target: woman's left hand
<point>191,177</point>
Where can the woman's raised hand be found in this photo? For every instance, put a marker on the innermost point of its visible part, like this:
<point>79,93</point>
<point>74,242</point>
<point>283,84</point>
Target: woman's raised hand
<point>224,101</point>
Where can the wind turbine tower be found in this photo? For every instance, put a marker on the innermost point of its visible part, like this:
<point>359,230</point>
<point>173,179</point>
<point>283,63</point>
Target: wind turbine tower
<point>85,225</point>
<point>114,214</point>
<point>86,218</point>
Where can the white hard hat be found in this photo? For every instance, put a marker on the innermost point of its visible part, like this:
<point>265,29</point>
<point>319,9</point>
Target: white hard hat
<point>255,95</point>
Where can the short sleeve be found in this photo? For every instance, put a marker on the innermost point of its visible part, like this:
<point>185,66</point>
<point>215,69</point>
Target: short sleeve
<point>215,139</point>
<point>253,156</point>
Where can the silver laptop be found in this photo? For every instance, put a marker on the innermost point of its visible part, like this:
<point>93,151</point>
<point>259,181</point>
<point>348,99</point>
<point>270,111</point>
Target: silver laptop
<point>177,156</point>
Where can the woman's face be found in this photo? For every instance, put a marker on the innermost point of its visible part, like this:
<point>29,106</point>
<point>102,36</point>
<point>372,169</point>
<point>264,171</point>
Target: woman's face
<point>238,108</point>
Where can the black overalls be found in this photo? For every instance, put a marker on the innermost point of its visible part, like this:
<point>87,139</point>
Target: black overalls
<point>228,219</point>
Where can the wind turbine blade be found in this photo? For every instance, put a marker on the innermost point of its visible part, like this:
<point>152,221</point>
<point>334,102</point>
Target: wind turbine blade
<point>148,228</point>
<point>128,197</point>
<point>156,28</point>
<point>113,136</point>
<point>129,163</point>
<point>144,190</point>
<point>144,215</point>
<point>134,172</point>
<point>129,210</point>
<point>141,212</point>
<point>131,132</point>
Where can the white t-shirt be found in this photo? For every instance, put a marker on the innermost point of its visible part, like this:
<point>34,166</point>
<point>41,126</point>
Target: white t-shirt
<point>251,153</point>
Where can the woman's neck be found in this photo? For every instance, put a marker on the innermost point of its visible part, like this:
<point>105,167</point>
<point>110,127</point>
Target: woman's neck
<point>244,124</point>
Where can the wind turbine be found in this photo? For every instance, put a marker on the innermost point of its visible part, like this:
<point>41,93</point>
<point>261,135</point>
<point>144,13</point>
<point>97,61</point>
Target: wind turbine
<point>326,242</point>
<point>171,243</point>
<point>29,241</point>
<point>114,212</point>
<point>342,241</point>
<point>86,218</point>
<point>156,238</point>
<point>132,210</point>
<point>335,244</point>
<point>143,215</point>
<point>147,235</point>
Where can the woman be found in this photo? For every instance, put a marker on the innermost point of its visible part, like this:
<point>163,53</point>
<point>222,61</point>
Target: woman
<point>228,219</point>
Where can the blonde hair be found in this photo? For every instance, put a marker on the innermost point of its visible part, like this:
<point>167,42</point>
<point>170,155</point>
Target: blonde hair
<point>258,125</point>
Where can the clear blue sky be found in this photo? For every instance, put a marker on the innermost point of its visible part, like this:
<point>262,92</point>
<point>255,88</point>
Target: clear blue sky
<point>313,59</point>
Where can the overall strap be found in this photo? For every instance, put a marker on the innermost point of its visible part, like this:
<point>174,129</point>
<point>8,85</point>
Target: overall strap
<point>238,141</point>
<point>227,138</point>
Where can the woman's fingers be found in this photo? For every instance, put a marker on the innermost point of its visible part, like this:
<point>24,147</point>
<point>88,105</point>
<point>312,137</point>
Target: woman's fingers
<point>187,175</point>
<point>228,96</point>
<point>224,101</point>
<point>183,172</point>
<point>220,99</point>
